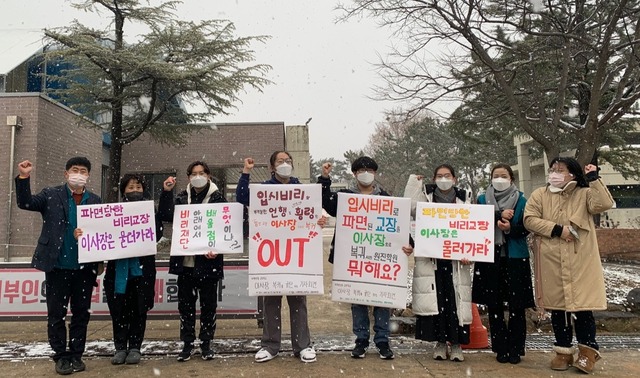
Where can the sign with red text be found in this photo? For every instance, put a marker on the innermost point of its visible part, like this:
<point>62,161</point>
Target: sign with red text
<point>369,266</point>
<point>200,228</point>
<point>116,230</point>
<point>454,231</point>
<point>285,241</point>
<point>22,292</point>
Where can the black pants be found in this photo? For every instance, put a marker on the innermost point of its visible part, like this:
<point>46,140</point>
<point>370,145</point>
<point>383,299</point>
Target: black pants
<point>508,339</point>
<point>128,317</point>
<point>63,286</point>
<point>189,289</point>
<point>584,324</point>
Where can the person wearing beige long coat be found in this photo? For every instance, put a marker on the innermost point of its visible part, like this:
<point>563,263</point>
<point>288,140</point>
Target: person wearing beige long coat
<point>569,276</point>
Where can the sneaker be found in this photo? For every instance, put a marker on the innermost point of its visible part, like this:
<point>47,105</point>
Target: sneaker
<point>456,353</point>
<point>119,357</point>
<point>63,366</point>
<point>206,351</point>
<point>359,350</point>
<point>77,364</point>
<point>308,355</point>
<point>133,358</point>
<point>385,351</point>
<point>440,351</point>
<point>264,355</point>
<point>185,355</point>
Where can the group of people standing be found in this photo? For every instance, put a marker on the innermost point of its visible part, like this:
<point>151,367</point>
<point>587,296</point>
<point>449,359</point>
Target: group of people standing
<point>569,279</point>
<point>559,216</point>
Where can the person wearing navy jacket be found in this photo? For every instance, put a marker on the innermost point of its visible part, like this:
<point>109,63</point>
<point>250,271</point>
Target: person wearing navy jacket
<point>281,165</point>
<point>66,280</point>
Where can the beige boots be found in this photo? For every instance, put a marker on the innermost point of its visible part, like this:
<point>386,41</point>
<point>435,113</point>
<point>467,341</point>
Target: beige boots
<point>587,358</point>
<point>563,358</point>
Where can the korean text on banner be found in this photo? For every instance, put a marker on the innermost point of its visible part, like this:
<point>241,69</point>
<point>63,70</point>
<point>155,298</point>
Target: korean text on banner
<point>369,266</point>
<point>200,228</point>
<point>116,230</point>
<point>454,231</point>
<point>285,241</point>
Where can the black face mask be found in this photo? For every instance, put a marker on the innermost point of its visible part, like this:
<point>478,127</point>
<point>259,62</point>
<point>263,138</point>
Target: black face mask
<point>133,196</point>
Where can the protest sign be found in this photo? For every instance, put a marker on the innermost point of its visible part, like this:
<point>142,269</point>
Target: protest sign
<point>454,231</point>
<point>200,228</point>
<point>285,241</point>
<point>369,266</point>
<point>116,230</point>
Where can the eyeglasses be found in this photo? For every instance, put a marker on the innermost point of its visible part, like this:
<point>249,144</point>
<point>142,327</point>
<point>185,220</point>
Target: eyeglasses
<point>363,170</point>
<point>82,171</point>
<point>281,161</point>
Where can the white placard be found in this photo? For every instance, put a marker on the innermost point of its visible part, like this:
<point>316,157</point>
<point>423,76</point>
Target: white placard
<point>200,228</point>
<point>369,266</point>
<point>285,241</point>
<point>454,231</point>
<point>116,230</point>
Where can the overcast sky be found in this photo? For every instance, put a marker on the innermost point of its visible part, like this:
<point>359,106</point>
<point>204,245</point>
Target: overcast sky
<point>321,69</point>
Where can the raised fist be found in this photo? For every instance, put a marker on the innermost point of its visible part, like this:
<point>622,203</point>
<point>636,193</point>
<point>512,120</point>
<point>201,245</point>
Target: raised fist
<point>169,183</point>
<point>326,169</point>
<point>248,165</point>
<point>25,168</point>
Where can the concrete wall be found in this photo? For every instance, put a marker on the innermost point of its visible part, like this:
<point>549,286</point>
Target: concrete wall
<point>50,135</point>
<point>298,146</point>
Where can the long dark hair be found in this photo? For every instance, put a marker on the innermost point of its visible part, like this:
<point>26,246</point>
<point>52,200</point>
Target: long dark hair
<point>574,168</point>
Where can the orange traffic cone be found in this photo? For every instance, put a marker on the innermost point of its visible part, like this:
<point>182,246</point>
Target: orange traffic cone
<point>478,337</point>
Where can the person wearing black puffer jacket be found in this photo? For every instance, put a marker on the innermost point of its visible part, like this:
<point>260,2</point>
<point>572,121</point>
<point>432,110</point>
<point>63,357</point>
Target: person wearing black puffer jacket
<point>198,275</point>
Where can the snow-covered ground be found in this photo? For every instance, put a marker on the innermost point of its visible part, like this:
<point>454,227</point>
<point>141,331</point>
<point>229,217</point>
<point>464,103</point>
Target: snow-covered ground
<point>620,279</point>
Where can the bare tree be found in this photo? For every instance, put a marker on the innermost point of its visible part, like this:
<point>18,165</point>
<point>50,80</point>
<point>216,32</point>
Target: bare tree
<point>557,69</point>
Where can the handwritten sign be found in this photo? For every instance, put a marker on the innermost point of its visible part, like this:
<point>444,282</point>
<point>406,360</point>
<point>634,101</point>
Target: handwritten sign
<point>116,230</point>
<point>454,231</point>
<point>369,266</point>
<point>200,228</point>
<point>285,241</point>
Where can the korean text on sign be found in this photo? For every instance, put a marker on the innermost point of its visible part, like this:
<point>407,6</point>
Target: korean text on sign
<point>200,228</point>
<point>454,231</point>
<point>116,230</point>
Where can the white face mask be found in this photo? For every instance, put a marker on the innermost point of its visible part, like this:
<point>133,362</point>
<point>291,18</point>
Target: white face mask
<point>284,170</point>
<point>557,179</point>
<point>365,178</point>
<point>444,184</point>
<point>500,184</point>
<point>77,180</point>
<point>198,181</point>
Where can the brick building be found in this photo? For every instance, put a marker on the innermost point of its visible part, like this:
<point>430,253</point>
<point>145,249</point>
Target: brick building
<point>48,134</point>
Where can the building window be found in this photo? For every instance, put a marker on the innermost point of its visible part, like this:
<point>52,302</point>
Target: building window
<point>626,196</point>
<point>154,183</point>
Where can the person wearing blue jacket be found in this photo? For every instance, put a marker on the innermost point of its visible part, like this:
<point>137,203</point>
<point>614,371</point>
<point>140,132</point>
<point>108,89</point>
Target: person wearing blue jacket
<point>508,278</point>
<point>281,165</point>
<point>66,280</point>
